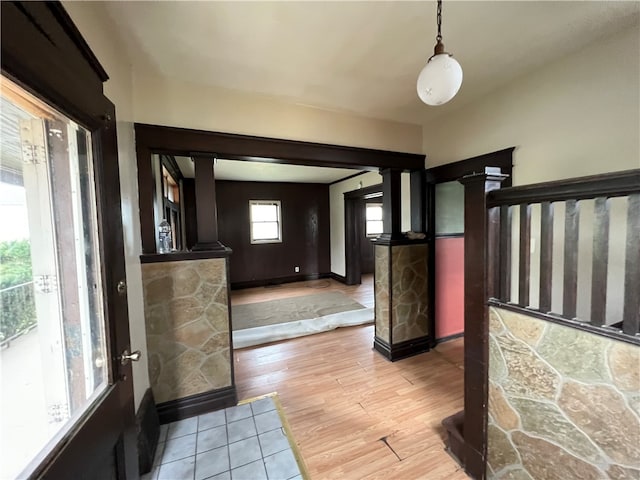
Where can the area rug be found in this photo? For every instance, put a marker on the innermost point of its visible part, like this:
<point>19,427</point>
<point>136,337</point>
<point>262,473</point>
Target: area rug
<point>264,322</point>
<point>284,310</point>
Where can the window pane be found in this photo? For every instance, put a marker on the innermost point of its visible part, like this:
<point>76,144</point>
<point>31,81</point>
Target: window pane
<point>374,227</point>
<point>374,212</point>
<point>264,213</point>
<point>53,360</point>
<point>265,231</point>
<point>449,208</point>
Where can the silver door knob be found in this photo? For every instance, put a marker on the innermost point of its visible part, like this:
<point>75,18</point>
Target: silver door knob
<point>126,356</point>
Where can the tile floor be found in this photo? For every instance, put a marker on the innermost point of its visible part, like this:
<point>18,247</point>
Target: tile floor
<point>246,442</point>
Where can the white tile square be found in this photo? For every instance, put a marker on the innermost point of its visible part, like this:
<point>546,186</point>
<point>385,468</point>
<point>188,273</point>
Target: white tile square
<point>251,471</point>
<point>281,466</point>
<point>212,463</point>
<point>213,438</point>
<point>177,448</point>
<point>273,441</point>
<point>238,413</point>
<point>178,470</point>
<point>263,405</point>
<point>183,427</point>
<point>222,476</point>
<point>268,421</point>
<point>245,451</point>
<point>241,429</point>
<point>211,419</point>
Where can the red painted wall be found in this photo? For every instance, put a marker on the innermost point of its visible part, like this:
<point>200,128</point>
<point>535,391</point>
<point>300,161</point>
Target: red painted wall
<point>449,286</point>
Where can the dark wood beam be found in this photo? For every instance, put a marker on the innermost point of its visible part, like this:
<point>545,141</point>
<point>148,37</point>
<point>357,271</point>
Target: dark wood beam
<point>182,141</point>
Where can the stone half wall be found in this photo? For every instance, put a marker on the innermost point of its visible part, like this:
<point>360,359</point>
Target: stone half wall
<point>401,290</point>
<point>563,403</point>
<point>186,308</point>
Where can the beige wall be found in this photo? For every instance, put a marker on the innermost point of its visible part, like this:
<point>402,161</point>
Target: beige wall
<point>98,32</point>
<point>165,101</point>
<point>576,116</point>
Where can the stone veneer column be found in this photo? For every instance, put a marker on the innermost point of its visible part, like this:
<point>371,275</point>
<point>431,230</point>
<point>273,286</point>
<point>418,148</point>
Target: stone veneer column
<point>401,293</point>
<point>187,317</point>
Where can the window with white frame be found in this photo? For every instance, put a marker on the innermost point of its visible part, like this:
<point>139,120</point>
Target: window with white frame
<point>266,223</point>
<point>374,219</point>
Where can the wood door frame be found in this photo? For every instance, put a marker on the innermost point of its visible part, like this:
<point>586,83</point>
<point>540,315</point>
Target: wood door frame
<point>352,231</point>
<point>44,53</point>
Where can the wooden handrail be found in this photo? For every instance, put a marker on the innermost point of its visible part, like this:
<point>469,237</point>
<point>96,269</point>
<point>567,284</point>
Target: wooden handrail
<point>607,185</point>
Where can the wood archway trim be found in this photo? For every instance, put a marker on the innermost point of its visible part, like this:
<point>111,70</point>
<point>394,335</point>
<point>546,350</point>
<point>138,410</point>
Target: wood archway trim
<point>353,201</point>
<point>152,139</point>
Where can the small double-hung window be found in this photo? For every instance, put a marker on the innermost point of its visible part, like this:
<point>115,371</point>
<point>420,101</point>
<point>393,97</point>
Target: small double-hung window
<point>374,219</point>
<point>266,222</point>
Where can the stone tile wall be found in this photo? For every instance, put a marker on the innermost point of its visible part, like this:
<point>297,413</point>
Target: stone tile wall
<point>187,323</point>
<point>381,291</point>
<point>563,403</point>
<point>408,314</point>
<point>409,292</point>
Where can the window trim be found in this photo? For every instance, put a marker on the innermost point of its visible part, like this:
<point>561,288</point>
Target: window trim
<point>278,205</point>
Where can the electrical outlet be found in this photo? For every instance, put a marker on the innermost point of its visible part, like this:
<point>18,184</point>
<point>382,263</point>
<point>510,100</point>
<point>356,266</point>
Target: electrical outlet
<point>296,269</point>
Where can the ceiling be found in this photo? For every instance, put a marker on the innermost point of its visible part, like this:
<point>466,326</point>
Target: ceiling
<point>359,57</point>
<point>268,172</point>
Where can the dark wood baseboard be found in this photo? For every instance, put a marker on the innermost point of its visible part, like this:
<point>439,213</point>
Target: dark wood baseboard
<point>449,337</point>
<point>197,404</point>
<point>454,425</point>
<point>338,278</point>
<point>402,350</point>
<point>148,431</point>
<point>277,281</point>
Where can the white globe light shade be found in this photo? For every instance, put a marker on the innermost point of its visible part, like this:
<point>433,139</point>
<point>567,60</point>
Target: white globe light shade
<point>439,80</point>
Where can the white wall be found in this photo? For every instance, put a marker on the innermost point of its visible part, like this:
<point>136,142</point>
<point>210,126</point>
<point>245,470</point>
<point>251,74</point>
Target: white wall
<point>577,116</point>
<point>165,101</point>
<point>336,209</point>
<point>94,25</point>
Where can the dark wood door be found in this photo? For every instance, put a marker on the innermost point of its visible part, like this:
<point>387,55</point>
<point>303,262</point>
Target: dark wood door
<point>66,140</point>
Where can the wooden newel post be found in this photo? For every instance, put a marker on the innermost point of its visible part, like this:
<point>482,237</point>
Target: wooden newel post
<point>477,273</point>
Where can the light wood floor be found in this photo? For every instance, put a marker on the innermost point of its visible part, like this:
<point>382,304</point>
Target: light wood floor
<point>362,293</point>
<point>354,414</point>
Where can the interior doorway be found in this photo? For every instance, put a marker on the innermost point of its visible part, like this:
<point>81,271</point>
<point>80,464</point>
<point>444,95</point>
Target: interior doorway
<point>363,222</point>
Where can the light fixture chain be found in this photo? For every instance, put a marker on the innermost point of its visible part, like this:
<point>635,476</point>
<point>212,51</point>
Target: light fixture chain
<point>439,20</point>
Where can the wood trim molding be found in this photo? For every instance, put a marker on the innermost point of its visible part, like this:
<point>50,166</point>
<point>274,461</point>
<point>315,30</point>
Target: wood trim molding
<point>279,280</point>
<point>401,350</point>
<point>349,177</point>
<point>183,256</point>
<point>148,428</point>
<point>503,159</point>
<point>180,141</point>
<point>193,405</point>
<point>338,278</point>
<point>609,185</point>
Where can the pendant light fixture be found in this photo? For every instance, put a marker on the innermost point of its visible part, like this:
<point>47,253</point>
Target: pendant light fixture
<point>441,78</point>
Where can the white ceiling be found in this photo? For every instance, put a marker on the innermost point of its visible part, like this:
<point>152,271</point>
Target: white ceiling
<point>361,57</point>
<point>268,172</point>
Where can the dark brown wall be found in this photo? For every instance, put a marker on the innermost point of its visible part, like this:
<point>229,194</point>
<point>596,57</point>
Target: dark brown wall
<point>305,230</point>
